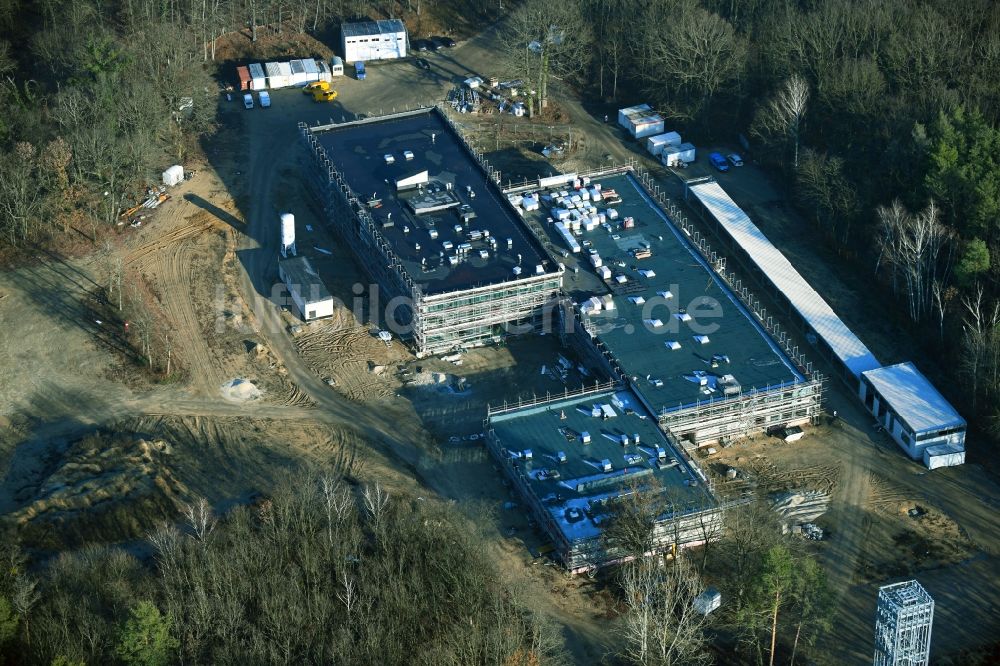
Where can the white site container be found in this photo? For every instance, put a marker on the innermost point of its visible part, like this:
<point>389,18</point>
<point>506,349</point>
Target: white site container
<point>286,72</point>
<point>625,114</point>
<point>673,155</point>
<point>944,455</point>
<point>173,175</point>
<point>312,70</point>
<point>299,77</point>
<point>336,66</point>
<point>656,144</point>
<point>275,77</point>
<point>258,77</point>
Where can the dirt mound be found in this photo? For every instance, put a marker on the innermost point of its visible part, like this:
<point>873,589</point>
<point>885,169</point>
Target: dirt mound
<point>101,486</point>
<point>240,390</point>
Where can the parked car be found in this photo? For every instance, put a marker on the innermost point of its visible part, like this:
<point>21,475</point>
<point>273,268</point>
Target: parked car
<point>719,162</point>
<point>265,99</point>
<point>447,41</point>
<point>419,45</point>
<point>438,43</point>
<point>248,101</point>
<point>359,70</point>
<point>735,159</point>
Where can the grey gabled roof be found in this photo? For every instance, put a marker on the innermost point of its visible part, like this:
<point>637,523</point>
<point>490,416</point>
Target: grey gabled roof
<point>362,28</point>
<point>779,270</point>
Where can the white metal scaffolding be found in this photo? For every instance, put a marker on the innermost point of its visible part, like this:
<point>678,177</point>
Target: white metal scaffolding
<point>903,622</point>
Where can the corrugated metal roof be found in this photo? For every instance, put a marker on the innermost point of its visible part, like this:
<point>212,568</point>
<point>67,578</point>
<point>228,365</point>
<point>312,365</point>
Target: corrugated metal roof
<point>914,398</point>
<point>779,270</point>
<point>364,28</point>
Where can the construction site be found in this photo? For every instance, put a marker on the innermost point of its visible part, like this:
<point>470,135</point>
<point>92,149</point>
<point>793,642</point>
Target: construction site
<point>572,457</point>
<point>428,223</point>
<point>546,357</point>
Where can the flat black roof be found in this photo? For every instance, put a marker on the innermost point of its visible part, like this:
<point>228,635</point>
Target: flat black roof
<point>363,28</point>
<point>358,151</point>
<point>573,437</point>
<point>673,280</point>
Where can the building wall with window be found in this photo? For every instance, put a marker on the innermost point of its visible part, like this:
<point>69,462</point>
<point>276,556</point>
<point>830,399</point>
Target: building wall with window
<point>910,409</point>
<point>373,40</point>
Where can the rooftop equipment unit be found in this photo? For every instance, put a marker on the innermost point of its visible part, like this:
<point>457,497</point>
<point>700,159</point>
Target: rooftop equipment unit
<point>561,456</point>
<point>585,437</point>
<point>606,465</point>
<point>527,454</point>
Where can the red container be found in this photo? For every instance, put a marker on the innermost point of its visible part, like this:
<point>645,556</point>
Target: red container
<point>243,78</point>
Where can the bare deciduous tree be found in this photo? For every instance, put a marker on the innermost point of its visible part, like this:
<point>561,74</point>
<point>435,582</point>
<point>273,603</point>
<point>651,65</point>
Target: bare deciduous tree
<point>686,56</point>
<point>200,519</point>
<point>782,115</point>
<point>918,248</point>
<point>662,626</point>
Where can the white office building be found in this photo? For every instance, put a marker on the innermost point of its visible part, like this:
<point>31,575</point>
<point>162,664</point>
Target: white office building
<point>911,410</point>
<point>373,40</point>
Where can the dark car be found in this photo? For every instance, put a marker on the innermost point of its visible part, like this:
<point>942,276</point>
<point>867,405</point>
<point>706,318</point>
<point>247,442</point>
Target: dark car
<point>419,45</point>
<point>448,41</point>
<point>421,63</point>
<point>433,44</point>
<point>719,162</point>
<point>439,42</point>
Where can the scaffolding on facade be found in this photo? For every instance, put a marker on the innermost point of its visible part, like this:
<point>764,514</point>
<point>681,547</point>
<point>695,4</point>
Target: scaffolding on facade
<point>436,323</point>
<point>903,622</point>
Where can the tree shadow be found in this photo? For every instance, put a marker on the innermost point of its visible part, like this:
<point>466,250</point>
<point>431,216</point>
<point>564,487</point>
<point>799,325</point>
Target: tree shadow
<point>219,213</point>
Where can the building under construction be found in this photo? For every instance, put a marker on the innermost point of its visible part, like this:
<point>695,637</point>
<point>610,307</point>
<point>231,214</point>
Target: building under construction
<point>657,310</point>
<point>422,211</point>
<point>572,458</point>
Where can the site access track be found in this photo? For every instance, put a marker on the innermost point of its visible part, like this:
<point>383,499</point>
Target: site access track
<point>397,427</point>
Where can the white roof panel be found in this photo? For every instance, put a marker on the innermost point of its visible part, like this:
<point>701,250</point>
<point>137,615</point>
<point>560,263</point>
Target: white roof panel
<point>779,270</point>
<point>914,398</point>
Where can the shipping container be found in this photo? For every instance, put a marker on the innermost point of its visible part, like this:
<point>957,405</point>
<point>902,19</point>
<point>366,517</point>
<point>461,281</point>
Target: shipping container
<point>324,72</point>
<point>944,455</point>
<point>312,70</point>
<point>275,77</point>
<point>298,78</point>
<point>258,79</point>
<point>286,71</point>
<point>672,155</point>
<point>656,144</point>
<point>336,66</point>
<point>243,80</point>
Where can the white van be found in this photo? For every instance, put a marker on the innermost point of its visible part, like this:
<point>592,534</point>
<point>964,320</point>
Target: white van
<point>248,101</point>
<point>265,99</point>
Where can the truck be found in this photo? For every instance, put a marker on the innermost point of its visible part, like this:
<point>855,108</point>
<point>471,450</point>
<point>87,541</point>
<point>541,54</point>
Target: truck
<point>359,70</point>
